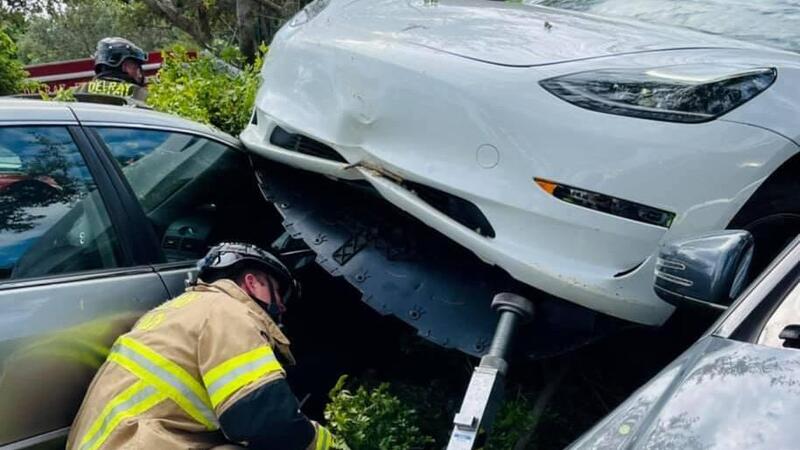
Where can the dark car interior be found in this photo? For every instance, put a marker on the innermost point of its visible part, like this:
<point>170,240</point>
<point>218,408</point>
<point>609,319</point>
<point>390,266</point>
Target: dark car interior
<point>195,192</point>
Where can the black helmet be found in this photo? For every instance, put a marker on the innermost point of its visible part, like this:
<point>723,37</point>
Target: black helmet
<point>113,51</point>
<point>227,254</point>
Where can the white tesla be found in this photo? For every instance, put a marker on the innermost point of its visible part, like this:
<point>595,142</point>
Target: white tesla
<point>562,147</point>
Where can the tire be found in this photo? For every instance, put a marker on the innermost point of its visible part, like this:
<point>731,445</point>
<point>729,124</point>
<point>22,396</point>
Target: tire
<point>772,216</point>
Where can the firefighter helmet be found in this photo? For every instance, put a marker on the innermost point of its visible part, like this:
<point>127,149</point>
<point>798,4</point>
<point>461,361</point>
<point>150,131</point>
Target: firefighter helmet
<point>113,51</point>
<point>222,257</point>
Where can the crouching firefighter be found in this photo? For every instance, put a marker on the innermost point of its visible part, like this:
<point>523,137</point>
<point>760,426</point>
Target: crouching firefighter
<point>204,369</point>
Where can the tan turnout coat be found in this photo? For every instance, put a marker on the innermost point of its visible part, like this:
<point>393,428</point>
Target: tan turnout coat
<point>167,381</point>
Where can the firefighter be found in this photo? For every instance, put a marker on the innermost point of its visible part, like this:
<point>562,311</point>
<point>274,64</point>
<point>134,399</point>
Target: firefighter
<point>204,369</point>
<point>118,71</point>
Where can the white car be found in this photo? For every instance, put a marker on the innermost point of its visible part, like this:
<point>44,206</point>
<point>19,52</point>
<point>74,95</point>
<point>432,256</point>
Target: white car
<point>572,145</point>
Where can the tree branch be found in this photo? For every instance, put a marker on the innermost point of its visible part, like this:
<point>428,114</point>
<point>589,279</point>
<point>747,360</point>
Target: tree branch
<point>273,6</point>
<point>198,30</point>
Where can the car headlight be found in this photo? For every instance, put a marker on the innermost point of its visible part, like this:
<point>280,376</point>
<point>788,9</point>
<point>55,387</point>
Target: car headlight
<point>687,93</point>
<point>309,12</point>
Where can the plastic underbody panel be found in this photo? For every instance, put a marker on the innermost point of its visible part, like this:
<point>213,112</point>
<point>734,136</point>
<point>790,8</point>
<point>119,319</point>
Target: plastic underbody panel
<point>405,269</point>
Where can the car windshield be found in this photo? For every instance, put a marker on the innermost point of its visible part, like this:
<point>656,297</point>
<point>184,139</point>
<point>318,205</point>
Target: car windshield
<point>768,22</point>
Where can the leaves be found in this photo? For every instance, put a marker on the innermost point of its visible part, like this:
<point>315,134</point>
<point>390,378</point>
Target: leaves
<point>513,419</point>
<point>12,73</point>
<point>373,419</point>
<point>61,94</point>
<point>72,31</point>
<point>206,89</point>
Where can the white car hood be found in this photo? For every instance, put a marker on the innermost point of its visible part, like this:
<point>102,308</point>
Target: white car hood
<point>531,35</point>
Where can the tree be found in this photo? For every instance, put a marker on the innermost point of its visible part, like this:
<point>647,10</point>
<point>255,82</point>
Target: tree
<point>213,22</point>
<point>73,31</point>
<point>12,73</point>
<point>14,12</point>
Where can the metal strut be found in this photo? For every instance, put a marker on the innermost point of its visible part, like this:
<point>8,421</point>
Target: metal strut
<point>485,391</point>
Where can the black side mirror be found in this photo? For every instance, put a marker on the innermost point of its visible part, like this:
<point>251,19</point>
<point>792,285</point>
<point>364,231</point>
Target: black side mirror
<point>791,336</point>
<point>708,271</point>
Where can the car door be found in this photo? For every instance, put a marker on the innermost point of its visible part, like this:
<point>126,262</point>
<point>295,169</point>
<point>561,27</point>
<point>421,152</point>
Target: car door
<point>70,278</point>
<point>194,191</point>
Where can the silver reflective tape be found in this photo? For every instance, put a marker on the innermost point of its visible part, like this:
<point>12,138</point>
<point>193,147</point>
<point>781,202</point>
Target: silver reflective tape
<point>170,379</point>
<point>137,398</point>
<point>252,366</point>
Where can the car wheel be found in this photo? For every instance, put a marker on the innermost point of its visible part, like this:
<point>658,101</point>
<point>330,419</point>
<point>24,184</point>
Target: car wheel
<point>772,216</point>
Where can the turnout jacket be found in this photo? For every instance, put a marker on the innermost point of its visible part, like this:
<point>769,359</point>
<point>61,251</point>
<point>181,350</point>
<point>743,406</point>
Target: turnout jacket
<point>201,370</point>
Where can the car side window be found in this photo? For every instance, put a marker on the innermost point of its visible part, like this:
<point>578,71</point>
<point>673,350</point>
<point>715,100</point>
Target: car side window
<point>785,315</point>
<point>183,183</point>
<point>52,219</point>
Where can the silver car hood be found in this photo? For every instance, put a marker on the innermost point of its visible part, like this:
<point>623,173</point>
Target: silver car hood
<point>531,35</point>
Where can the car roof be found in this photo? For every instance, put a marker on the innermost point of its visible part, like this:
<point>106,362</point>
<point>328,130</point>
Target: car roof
<point>37,111</point>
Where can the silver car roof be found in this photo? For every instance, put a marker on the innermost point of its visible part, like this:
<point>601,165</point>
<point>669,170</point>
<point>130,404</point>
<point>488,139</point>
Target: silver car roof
<point>36,111</point>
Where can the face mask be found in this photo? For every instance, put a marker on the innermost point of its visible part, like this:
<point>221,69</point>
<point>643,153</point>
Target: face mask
<point>274,312</point>
<point>272,308</point>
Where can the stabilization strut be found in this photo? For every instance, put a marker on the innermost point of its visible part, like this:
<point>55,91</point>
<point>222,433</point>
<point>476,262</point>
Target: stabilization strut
<point>485,391</point>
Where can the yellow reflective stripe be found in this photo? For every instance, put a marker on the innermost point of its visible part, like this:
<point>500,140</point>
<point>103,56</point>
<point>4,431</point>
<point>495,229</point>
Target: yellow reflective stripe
<point>168,377</point>
<point>221,370</point>
<point>131,402</point>
<point>239,371</point>
<point>188,380</point>
<point>324,438</point>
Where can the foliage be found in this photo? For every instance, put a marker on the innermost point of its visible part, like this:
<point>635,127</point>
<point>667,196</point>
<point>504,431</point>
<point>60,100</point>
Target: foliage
<point>14,13</point>
<point>73,31</point>
<point>514,418</point>
<point>373,419</point>
<point>12,73</point>
<point>207,89</point>
<point>242,22</point>
<point>61,95</point>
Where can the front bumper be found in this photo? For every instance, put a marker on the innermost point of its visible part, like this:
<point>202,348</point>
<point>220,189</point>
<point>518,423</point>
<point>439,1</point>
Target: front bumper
<point>401,114</point>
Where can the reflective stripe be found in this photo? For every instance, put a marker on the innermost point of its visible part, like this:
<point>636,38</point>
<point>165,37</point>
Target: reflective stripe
<point>239,371</point>
<point>128,404</point>
<point>167,377</point>
<point>324,438</point>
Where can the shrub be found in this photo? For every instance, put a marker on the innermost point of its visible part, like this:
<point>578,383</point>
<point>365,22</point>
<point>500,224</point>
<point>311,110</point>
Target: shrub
<point>513,420</point>
<point>373,419</point>
<point>61,95</point>
<point>12,74</point>
<point>207,89</point>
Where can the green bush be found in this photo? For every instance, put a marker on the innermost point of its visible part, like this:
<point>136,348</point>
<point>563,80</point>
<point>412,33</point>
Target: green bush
<point>373,419</point>
<point>61,95</point>
<point>12,73</point>
<point>207,89</point>
<point>513,420</point>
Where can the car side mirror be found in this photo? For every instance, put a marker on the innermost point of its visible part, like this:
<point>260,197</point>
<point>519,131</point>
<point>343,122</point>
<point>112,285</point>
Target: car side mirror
<point>791,336</point>
<point>707,271</point>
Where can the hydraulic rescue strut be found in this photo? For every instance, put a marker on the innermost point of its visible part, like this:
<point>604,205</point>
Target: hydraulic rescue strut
<point>485,391</point>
